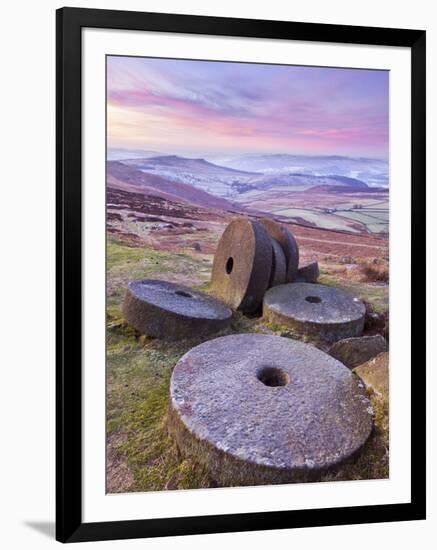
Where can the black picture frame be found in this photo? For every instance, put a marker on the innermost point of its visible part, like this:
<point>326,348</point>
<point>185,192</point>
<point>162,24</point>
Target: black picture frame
<point>69,525</point>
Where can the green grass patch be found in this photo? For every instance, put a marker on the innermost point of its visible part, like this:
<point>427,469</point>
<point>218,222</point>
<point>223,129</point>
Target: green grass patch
<point>139,369</point>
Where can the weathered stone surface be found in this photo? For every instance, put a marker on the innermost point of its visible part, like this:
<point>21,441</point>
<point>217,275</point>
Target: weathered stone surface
<point>288,243</point>
<point>242,264</point>
<point>279,266</point>
<point>171,311</point>
<point>257,409</point>
<point>322,311</point>
<point>375,375</point>
<point>355,351</point>
<point>308,273</point>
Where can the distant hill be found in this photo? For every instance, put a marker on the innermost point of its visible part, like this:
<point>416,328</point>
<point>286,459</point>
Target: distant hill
<point>231,183</point>
<point>373,171</point>
<point>171,162</point>
<point>121,154</point>
<point>349,182</point>
<point>131,179</point>
<point>345,189</point>
<point>272,181</point>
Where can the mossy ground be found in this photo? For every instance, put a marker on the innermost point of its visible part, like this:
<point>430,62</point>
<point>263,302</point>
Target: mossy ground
<point>139,370</point>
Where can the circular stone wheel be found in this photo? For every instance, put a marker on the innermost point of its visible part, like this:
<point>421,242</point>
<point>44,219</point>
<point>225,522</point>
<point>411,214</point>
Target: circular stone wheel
<point>171,311</point>
<point>318,310</point>
<point>288,243</point>
<point>259,409</point>
<point>242,264</point>
<point>278,272</point>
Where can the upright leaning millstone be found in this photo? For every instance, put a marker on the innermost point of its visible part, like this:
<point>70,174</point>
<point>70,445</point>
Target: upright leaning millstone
<point>278,273</point>
<point>171,311</point>
<point>318,310</point>
<point>242,264</point>
<point>289,246</point>
<point>259,409</point>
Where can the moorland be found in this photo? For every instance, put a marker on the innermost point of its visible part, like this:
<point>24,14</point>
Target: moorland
<point>165,215</point>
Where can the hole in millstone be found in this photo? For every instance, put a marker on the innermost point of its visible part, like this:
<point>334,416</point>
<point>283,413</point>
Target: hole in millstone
<point>183,293</point>
<point>272,376</point>
<point>313,299</point>
<point>229,265</point>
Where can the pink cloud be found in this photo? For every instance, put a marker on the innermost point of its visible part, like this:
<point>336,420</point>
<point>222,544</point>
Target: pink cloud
<point>272,106</point>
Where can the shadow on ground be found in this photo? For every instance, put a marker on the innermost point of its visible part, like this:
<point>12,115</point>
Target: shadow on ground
<point>46,528</point>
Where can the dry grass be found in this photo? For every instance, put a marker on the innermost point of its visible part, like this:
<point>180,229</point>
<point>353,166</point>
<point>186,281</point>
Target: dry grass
<point>375,271</point>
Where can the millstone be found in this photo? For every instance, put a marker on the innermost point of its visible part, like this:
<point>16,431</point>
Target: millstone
<point>260,409</point>
<point>308,273</point>
<point>318,310</point>
<point>171,311</point>
<point>242,264</point>
<point>279,265</point>
<point>288,243</point>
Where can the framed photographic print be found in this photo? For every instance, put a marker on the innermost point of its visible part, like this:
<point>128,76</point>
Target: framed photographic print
<point>240,271</point>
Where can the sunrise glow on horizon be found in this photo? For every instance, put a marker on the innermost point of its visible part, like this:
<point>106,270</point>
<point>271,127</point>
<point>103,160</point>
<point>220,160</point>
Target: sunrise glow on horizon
<point>201,107</point>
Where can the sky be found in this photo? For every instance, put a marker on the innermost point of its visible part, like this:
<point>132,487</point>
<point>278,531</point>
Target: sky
<point>200,108</point>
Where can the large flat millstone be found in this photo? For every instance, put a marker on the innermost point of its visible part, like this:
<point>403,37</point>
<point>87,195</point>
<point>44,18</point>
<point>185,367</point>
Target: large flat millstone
<point>326,312</point>
<point>167,310</point>
<point>257,409</point>
<point>242,265</point>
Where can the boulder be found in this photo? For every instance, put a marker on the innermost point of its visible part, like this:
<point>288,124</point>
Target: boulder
<point>355,351</point>
<point>308,273</point>
<point>375,375</point>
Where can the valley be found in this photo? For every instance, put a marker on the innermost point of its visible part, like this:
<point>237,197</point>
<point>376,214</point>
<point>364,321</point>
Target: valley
<point>312,197</point>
